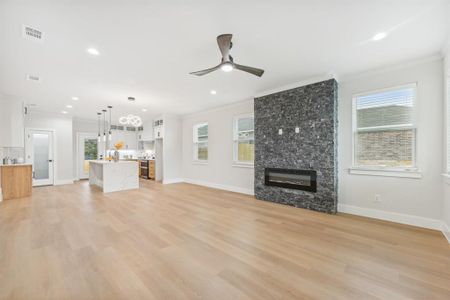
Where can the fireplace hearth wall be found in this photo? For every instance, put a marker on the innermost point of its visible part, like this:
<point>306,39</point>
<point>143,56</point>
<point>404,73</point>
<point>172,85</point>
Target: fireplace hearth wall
<point>307,117</point>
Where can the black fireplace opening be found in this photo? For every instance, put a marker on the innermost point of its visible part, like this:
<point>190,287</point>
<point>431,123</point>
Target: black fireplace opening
<point>305,180</point>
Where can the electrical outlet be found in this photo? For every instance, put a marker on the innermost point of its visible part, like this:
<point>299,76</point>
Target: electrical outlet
<point>377,198</point>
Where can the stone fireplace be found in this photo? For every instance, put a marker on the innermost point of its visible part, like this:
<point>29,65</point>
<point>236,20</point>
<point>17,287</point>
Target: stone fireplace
<point>296,147</point>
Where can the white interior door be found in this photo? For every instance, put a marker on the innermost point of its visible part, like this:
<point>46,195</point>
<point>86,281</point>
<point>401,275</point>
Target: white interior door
<point>87,151</point>
<point>39,152</point>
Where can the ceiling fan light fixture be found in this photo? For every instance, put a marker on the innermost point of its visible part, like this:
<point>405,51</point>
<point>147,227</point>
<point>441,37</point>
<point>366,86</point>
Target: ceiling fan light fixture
<point>227,67</point>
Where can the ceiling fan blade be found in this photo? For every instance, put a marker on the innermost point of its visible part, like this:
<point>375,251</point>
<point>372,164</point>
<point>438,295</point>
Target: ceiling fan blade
<point>224,42</point>
<point>254,71</point>
<point>204,72</point>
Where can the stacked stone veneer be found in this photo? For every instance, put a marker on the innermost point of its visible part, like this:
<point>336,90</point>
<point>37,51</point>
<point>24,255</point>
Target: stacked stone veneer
<point>312,108</point>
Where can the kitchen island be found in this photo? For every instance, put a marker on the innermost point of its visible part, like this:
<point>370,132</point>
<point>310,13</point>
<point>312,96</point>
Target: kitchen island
<point>114,176</point>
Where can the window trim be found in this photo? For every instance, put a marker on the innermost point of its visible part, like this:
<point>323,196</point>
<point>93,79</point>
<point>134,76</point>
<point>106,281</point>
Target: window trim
<point>236,162</point>
<point>375,170</point>
<point>195,143</point>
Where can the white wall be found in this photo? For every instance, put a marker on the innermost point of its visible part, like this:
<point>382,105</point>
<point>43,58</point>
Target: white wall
<point>172,149</point>
<point>219,172</point>
<point>63,142</point>
<point>446,180</point>
<point>414,197</point>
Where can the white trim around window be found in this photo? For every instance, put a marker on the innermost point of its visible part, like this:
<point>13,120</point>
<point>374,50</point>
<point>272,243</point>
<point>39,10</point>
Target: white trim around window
<point>236,139</point>
<point>380,170</point>
<point>199,140</point>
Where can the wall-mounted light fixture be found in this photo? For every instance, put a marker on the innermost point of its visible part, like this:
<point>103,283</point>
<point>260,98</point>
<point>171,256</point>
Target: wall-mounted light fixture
<point>297,129</point>
<point>280,131</point>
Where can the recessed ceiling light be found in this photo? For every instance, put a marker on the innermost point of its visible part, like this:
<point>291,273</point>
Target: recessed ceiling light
<point>93,51</point>
<point>69,106</point>
<point>379,36</point>
<point>64,112</point>
<point>144,109</point>
<point>75,98</point>
<point>213,92</point>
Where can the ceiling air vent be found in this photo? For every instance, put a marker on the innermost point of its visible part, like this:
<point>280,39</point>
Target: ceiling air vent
<point>32,33</point>
<point>33,78</point>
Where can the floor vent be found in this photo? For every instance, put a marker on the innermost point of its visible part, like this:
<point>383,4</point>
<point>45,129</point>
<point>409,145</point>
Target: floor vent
<point>32,33</point>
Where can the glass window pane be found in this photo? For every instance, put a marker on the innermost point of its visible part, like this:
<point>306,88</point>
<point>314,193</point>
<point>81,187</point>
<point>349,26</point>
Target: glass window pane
<point>90,149</point>
<point>385,108</point>
<point>246,151</point>
<point>41,155</point>
<point>245,124</point>
<point>202,151</point>
<point>389,148</point>
<point>202,130</point>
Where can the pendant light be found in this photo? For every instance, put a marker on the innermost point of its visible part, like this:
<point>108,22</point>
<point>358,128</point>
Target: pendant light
<point>98,136</point>
<point>110,133</point>
<point>104,125</point>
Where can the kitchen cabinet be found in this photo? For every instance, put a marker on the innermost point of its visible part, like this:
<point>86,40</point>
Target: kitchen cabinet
<point>11,123</point>
<point>147,133</point>
<point>16,181</point>
<point>159,129</point>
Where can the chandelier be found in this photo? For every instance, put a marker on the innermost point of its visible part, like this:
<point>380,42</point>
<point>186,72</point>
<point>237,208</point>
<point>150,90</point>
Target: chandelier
<point>131,120</point>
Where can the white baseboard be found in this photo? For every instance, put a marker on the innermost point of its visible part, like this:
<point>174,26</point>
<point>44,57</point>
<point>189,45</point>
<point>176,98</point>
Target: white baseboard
<point>173,180</point>
<point>392,216</point>
<point>221,186</point>
<point>63,181</point>
<point>446,231</point>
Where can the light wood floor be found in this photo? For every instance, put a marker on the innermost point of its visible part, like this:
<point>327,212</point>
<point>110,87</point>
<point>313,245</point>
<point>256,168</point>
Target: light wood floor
<point>188,242</point>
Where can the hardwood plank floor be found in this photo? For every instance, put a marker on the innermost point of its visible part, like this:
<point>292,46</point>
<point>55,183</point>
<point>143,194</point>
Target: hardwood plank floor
<point>184,241</point>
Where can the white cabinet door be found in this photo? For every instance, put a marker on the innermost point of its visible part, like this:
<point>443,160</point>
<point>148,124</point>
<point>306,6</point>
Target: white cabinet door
<point>130,140</point>
<point>11,123</point>
<point>147,133</point>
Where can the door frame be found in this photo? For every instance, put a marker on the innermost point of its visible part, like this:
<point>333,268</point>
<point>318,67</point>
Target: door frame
<point>27,148</point>
<point>77,155</point>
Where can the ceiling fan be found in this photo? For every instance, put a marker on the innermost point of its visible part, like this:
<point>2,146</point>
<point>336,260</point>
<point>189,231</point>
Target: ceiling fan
<point>227,64</point>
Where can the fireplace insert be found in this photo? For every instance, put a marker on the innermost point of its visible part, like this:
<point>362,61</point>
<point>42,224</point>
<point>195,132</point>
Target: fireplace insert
<point>305,180</point>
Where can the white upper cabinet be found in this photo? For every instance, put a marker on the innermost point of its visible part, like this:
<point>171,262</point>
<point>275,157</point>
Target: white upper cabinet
<point>147,133</point>
<point>159,129</point>
<point>11,123</point>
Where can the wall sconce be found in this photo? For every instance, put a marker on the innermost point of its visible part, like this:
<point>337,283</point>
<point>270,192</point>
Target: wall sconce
<point>297,129</point>
<point>280,131</point>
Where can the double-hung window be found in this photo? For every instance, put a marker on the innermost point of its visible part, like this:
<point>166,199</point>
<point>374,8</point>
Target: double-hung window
<point>200,142</point>
<point>244,139</point>
<point>384,128</point>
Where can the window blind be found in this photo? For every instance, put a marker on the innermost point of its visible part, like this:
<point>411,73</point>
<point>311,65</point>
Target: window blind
<point>384,132</point>
<point>244,139</point>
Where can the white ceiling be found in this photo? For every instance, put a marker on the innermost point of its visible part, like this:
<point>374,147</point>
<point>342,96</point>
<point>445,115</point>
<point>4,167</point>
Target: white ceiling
<point>148,48</point>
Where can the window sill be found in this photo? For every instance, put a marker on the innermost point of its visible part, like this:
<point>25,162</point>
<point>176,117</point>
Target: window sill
<point>386,172</point>
<point>199,162</point>
<point>241,165</point>
<point>446,178</point>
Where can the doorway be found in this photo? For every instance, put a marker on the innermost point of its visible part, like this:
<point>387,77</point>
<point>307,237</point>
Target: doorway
<point>40,153</point>
<point>86,152</point>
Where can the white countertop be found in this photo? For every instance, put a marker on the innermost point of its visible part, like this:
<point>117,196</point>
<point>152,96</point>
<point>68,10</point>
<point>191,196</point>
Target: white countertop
<point>15,165</point>
<point>105,162</point>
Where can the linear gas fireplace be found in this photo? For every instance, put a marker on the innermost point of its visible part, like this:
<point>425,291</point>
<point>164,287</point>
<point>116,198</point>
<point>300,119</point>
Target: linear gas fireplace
<point>305,180</point>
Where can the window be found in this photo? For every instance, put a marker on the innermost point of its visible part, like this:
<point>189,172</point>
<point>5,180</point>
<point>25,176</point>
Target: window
<point>244,139</point>
<point>384,131</point>
<point>200,136</point>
